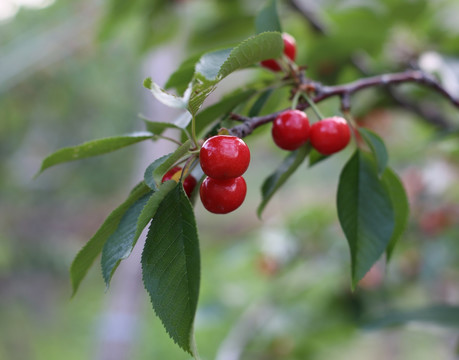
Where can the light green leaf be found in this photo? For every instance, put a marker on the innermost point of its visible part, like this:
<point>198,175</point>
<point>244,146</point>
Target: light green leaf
<point>267,18</point>
<point>377,147</point>
<point>400,205</point>
<point>171,267</point>
<point>158,127</point>
<point>365,213</point>
<point>148,175</point>
<point>92,148</point>
<point>93,247</point>
<point>121,243</point>
<point>210,64</point>
<point>165,97</point>
<point>281,175</point>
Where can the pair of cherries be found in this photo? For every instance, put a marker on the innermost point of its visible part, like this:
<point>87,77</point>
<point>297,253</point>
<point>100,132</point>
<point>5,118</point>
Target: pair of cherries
<point>291,130</point>
<point>224,159</point>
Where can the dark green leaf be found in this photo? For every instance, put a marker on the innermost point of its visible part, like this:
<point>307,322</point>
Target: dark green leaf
<point>148,175</point>
<point>443,315</point>
<point>171,267</point>
<point>400,205</point>
<point>92,148</point>
<point>377,146</point>
<point>267,18</point>
<point>365,213</point>
<point>260,103</point>
<point>281,175</point>
<point>93,247</point>
<point>120,244</point>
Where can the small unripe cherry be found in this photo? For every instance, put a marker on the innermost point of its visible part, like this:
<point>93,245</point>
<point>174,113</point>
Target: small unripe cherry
<point>188,184</point>
<point>330,135</point>
<point>289,51</point>
<point>290,129</point>
<point>222,196</point>
<point>224,157</point>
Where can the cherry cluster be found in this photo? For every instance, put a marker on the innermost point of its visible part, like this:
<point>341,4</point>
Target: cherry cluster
<point>291,128</point>
<point>224,159</point>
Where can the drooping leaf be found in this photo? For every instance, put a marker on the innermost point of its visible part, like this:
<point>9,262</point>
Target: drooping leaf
<point>442,315</point>
<point>377,146</point>
<point>92,148</point>
<point>165,97</point>
<point>171,267</point>
<point>121,243</point>
<point>267,18</point>
<point>400,205</point>
<point>93,247</point>
<point>281,175</point>
<point>365,213</point>
<point>215,66</point>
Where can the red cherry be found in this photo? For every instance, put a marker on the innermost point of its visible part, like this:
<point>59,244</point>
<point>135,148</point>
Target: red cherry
<point>290,129</point>
<point>330,135</point>
<point>224,157</point>
<point>188,184</point>
<point>222,196</point>
<point>289,51</point>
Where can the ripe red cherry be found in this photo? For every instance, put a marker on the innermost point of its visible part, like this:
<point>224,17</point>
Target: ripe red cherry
<point>289,51</point>
<point>330,135</point>
<point>188,184</point>
<point>222,196</point>
<point>224,157</point>
<point>290,129</point>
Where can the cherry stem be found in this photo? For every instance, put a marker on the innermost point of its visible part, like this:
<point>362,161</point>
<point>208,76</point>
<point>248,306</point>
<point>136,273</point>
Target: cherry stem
<point>313,106</point>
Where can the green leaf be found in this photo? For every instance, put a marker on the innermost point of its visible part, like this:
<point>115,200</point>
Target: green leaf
<point>120,244</point>
<point>267,18</point>
<point>92,148</point>
<point>443,315</point>
<point>148,175</point>
<point>365,213</point>
<point>171,267</point>
<point>162,168</point>
<point>260,103</point>
<point>377,147</point>
<point>183,75</point>
<point>165,97</point>
<point>93,247</point>
<point>316,157</point>
<point>215,66</point>
<point>400,205</point>
<point>281,175</point>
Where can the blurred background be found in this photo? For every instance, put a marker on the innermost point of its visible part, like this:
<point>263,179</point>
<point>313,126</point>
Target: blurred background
<point>276,288</point>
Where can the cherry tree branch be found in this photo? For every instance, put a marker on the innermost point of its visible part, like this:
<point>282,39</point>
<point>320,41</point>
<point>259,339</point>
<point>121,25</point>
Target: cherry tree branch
<point>320,92</point>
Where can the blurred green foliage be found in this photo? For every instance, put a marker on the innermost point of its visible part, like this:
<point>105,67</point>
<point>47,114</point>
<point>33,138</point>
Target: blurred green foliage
<point>295,263</point>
